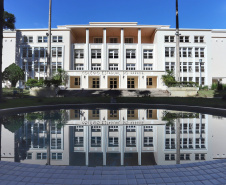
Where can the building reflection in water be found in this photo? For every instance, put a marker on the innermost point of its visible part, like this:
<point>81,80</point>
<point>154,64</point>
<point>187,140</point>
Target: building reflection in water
<point>115,137</point>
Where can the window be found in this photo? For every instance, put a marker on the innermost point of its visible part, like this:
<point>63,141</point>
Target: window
<point>169,66</point>
<point>130,67</point>
<point>57,51</point>
<point>24,50</point>
<point>169,38</point>
<point>42,39</point>
<point>96,82</point>
<point>199,52</point>
<point>113,83</point>
<point>184,38</point>
<point>96,128</point>
<point>95,141</point>
<point>131,114</point>
<point>148,141</point>
<point>79,53</point>
<point>113,53</point>
<point>29,156</point>
<point>199,39</point>
<point>148,67</point>
<point>148,53</point>
<point>185,67</point>
<point>170,157</point>
<point>77,81</point>
<point>56,143</point>
<point>113,66</point>
<point>186,52</point>
<point>41,156</point>
<point>113,114</point>
<point>200,143</point>
<point>78,142</point>
<point>148,128</point>
<point>97,40</point>
<point>57,156</point>
<point>57,39</point>
<point>149,81</point>
<point>190,64</point>
<point>113,40</point>
<point>113,142</point>
<point>96,53</point>
<point>185,157</point>
<point>130,141</point>
<point>113,128</point>
<point>36,52</point>
<point>130,82</point>
<point>130,53</point>
<point>197,67</point>
<point>96,67</point>
<point>27,39</point>
<point>169,52</point>
<point>79,67</point>
<point>199,157</point>
<point>170,143</point>
<point>128,40</point>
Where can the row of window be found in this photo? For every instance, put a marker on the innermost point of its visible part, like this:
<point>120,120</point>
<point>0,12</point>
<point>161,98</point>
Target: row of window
<point>41,52</point>
<point>40,39</point>
<point>40,66</point>
<point>113,53</point>
<point>172,157</point>
<point>186,67</point>
<point>54,156</point>
<point>184,52</point>
<point>112,40</point>
<point>197,39</point>
<point>186,128</point>
<point>113,142</point>
<point>185,143</point>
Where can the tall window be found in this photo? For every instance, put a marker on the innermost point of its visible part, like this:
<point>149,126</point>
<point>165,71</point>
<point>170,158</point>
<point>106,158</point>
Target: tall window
<point>57,39</point>
<point>169,66</point>
<point>96,53</point>
<point>129,40</point>
<point>130,82</point>
<point>113,53</point>
<point>148,141</point>
<point>169,52</point>
<point>96,82</point>
<point>148,53</point>
<point>130,141</point>
<point>113,83</point>
<point>57,51</point>
<point>98,40</point>
<point>130,53</point>
<point>185,52</point>
<point>95,141</point>
<point>169,38</point>
<point>42,39</point>
<point>77,81</point>
<point>113,142</point>
<point>199,39</point>
<point>113,40</point>
<point>79,53</point>
<point>149,81</point>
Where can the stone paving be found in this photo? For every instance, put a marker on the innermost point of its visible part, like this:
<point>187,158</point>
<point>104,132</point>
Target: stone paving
<point>211,172</point>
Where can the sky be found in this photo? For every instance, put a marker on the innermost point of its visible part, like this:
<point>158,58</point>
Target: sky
<point>203,14</point>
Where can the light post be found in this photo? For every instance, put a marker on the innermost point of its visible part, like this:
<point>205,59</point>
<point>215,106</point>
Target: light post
<point>200,70</point>
<point>25,67</point>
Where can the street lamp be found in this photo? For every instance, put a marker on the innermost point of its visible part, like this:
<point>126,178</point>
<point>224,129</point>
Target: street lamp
<point>200,70</point>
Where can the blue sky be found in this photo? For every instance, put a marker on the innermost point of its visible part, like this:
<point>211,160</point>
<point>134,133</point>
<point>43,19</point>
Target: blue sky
<point>192,13</point>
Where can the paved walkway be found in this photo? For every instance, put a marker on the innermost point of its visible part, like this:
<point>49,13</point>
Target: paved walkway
<point>213,172</point>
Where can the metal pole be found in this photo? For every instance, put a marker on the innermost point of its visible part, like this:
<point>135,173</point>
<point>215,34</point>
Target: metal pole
<point>49,43</point>
<point>177,75</point>
<point>177,141</point>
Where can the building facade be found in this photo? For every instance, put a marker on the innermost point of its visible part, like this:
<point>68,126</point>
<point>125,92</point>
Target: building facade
<point>118,55</point>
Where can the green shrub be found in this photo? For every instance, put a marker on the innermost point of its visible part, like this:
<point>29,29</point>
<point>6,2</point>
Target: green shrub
<point>34,83</point>
<point>169,78</point>
<point>214,86</point>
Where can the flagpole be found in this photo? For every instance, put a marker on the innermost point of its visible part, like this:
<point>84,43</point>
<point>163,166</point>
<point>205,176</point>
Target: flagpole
<point>49,43</point>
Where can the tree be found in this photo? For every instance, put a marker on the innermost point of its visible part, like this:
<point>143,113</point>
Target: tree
<point>13,73</point>
<point>8,21</point>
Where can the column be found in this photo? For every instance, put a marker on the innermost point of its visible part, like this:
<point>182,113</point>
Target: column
<point>139,52</point>
<point>122,51</point>
<point>139,143</point>
<point>86,67</point>
<point>104,52</point>
<point>86,143</point>
<point>104,143</point>
<point>122,146</point>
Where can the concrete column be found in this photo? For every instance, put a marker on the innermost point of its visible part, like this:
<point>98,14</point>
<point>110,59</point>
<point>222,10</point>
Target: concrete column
<point>104,52</point>
<point>139,143</point>
<point>86,143</point>
<point>122,51</point>
<point>122,146</point>
<point>86,53</point>
<point>104,144</point>
<point>139,51</point>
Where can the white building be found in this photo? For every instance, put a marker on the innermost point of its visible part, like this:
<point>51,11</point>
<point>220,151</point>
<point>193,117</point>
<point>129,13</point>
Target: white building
<point>118,55</point>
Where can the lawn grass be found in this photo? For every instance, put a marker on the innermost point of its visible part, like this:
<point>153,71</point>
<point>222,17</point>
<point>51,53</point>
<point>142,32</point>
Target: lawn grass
<point>211,93</point>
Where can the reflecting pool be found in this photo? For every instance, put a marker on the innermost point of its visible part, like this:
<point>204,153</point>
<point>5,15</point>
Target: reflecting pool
<point>100,137</point>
